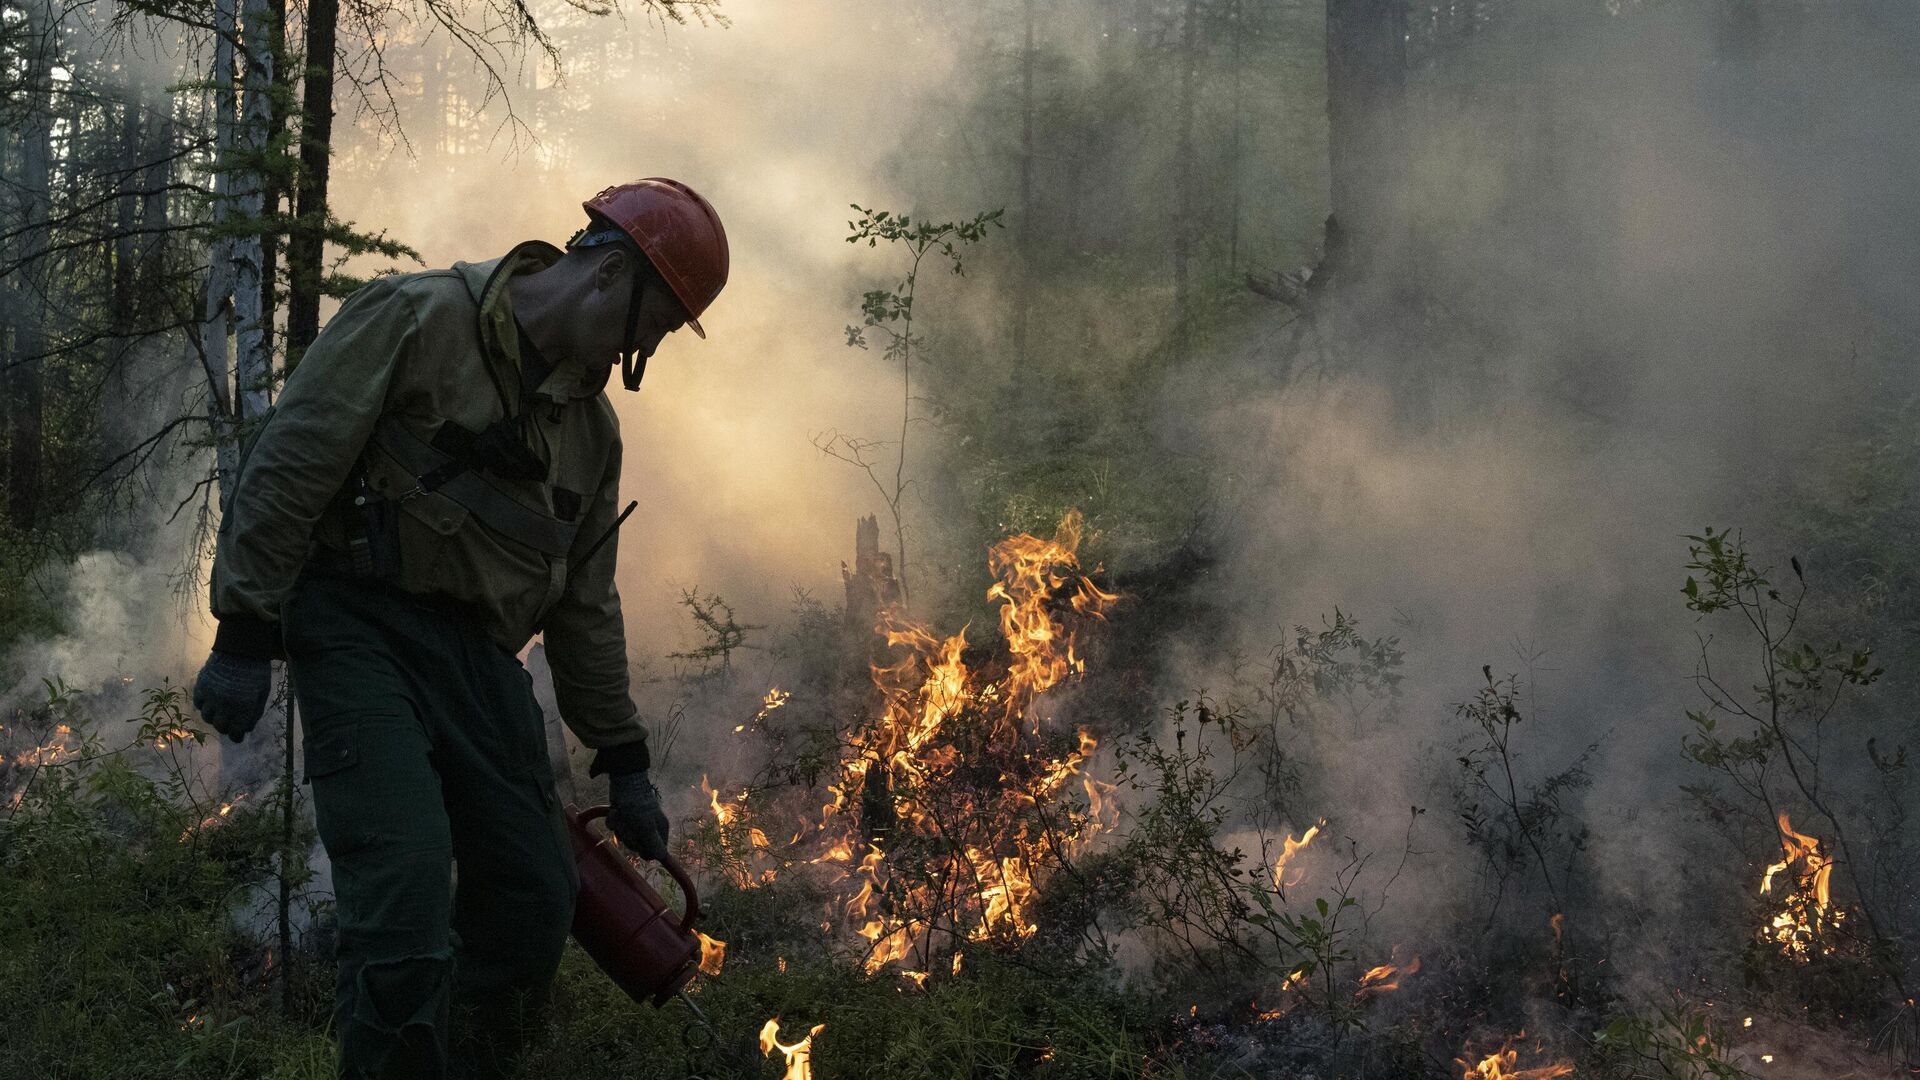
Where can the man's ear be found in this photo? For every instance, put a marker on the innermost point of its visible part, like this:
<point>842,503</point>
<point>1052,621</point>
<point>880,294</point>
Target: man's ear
<point>612,266</point>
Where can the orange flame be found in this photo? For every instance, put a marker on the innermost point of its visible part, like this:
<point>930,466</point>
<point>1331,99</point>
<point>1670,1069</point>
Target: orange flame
<point>956,761</point>
<point>799,1055</point>
<point>1386,977</point>
<point>1803,922</point>
<point>775,698</point>
<point>713,954</point>
<point>1503,1063</point>
<point>213,819</point>
<point>723,813</point>
<point>1290,848</point>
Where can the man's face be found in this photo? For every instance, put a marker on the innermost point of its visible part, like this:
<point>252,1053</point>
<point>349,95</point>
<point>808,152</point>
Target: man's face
<point>602,313</point>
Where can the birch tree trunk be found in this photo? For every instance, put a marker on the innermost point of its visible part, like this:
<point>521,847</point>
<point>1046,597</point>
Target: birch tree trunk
<point>275,180</point>
<point>253,365</point>
<point>219,311</point>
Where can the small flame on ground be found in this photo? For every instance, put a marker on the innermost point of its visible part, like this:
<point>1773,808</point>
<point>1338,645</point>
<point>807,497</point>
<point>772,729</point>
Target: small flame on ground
<point>799,1055</point>
<point>1386,977</point>
<point>1503,1064</point>
<point>214,818</point>
<point>713,954</point>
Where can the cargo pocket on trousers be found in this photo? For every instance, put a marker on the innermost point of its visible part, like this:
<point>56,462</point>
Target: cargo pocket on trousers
<point>332,749</point>
<point>332,746</point>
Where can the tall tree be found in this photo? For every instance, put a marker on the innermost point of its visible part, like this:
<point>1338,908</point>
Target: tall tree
<point>253,362</point>
<point>305,247</point>
<point>25,367</point>
<point>215,348</point>
<point>1366,90</point>
<point>1024,242</point>
<point>1186,223</point>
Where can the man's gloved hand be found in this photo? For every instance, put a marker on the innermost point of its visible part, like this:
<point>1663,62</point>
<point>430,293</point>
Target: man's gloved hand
<point>635,814</point>
<point>231,692</point>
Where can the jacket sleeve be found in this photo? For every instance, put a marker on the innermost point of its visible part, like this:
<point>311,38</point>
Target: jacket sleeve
<point>299,459</point>
<point>587,640</point>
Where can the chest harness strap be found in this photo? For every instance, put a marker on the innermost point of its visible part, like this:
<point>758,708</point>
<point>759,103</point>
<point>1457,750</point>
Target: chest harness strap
<point>442,466</point>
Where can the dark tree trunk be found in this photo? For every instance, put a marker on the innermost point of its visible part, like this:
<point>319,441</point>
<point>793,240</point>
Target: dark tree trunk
<point>273,186</point>
<point>126,220</point>
<point>1022,303</point>
<point>306,248</point>
<point>1366,90</point>
<point>1184,221</point>
<point>870,583</point>
<point>24,387</point>
<point>151,270</point>
<point>1236,14</point>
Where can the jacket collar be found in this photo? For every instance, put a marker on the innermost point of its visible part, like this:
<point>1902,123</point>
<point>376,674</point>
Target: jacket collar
<point>487,283</point>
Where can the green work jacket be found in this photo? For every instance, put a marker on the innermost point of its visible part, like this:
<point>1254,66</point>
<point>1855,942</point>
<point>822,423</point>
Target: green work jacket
<point>403,356</point>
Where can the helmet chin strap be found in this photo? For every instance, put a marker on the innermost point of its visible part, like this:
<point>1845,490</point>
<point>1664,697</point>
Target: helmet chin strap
<point>631,370</point>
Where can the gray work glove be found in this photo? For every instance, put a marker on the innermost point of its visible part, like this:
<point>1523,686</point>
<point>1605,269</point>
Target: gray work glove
<point>231,692</point>
<point>635,814</point>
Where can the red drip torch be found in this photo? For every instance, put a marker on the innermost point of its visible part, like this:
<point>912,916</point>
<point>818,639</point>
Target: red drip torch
<point>624,925</point>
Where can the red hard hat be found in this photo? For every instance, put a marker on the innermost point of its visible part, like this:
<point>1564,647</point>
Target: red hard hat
<point>679,232</point>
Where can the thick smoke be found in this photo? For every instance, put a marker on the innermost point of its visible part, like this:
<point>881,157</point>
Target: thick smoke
<point>1650,294</point>
<point>781,120</point>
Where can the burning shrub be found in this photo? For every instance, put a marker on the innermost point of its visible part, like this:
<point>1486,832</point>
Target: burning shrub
<point>953,801</point>
<point>1781,775</point>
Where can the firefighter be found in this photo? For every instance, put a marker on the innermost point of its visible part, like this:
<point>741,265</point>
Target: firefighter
<point>438,482</point>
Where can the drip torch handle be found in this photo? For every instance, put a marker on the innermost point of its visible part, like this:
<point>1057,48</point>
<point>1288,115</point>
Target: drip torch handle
<point>672,865</point>
<point>685,880</point>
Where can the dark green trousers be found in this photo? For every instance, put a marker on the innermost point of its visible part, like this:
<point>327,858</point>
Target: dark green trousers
<point>453,879</point>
